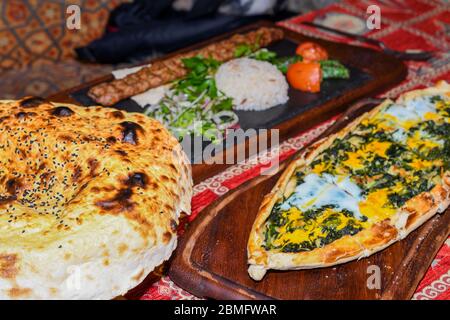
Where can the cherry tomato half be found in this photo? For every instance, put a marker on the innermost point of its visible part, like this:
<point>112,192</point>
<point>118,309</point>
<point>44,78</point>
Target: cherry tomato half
<point>305,76</point>
<point>311,52</point>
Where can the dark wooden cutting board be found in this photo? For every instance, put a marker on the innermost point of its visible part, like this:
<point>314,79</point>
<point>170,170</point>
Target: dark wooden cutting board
<point>373,72</point>
<point>211,260</point>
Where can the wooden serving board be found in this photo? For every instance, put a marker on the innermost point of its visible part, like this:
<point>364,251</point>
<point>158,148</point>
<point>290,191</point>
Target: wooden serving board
<point>374,72</point>
<point>211,260</point>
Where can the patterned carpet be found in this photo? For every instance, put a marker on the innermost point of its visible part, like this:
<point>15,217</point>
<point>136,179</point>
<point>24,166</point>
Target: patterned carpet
<point>48,78</point>
<point>36,47</point>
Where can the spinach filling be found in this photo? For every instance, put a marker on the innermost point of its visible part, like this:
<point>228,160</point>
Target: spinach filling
<point>334,226</point>
<point>378,172</point>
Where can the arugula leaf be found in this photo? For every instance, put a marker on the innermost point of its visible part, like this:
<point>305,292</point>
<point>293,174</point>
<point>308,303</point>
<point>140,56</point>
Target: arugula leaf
<point>191,63</point>
<point>164,108</point>
<point>283,63</point>
<point>212,89</point>
<point>185,119</point>
<point>224,105</point>
<point>264,55</point>
<point>242,50</point>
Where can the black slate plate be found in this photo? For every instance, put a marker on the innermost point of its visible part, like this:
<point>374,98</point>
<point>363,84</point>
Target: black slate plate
<point>298,102</point>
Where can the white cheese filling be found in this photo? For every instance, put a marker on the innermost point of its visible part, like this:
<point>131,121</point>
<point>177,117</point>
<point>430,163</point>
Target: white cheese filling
<point>316,192</point>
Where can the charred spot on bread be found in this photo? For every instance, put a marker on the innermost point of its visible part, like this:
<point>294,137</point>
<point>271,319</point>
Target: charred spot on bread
<point>32,102</point>
<point>119,202</point>
<point>7,199</point>
<point>65,138</point>
<point>130,132</point>
<point>76,173</point>
<point>137,179</point>
<point>19,293</point>
<point>8,266</point>
<point>22,115</point>
<point>93,166</point>
<point>117,114</point>
<point>173,225</point>
<point>167,236</point>
<point>95,189</point>
<point>121,152</point>
<point>13,185</point>
<point>111,140</point>
<point>62,111</point>
<point>139,275</point>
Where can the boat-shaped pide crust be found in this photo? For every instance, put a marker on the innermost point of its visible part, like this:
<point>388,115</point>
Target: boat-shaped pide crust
<point>89,199</point>
<point>378,236</point>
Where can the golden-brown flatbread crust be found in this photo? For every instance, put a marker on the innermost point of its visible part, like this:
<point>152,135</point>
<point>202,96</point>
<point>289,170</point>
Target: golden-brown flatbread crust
<point>380,235</point>
<point>89,199</point>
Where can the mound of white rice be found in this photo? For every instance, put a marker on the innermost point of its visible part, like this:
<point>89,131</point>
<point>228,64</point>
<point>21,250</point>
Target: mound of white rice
<point>253,84</point>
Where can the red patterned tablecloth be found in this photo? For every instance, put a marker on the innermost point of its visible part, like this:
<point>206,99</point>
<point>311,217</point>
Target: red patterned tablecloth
<point>405,24</point>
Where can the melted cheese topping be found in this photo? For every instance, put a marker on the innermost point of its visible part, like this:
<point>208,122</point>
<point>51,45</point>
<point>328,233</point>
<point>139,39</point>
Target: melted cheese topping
<point>431,116</point>
<point>319,168</point>
<point>356,159</point>
<point>419,140</point>
<point>420,164</point>
<point>377,147</point>
<point>376,206</point>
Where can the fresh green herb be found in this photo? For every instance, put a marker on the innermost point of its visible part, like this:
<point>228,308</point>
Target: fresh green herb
<point>395,150</point>
<point>194,105</point>
<point>333,69</point>
<point>332,233</point>
<point>398,199</point>
<point>242,50</point>
<point>199,65</point>
<point>298,247</point>
<point>436,98</point>
<point>435,129</point>
<point>312,214</point>
<point>223,105</point>
<point>264,55</point>
<point>283,63</point>
<point>300,175</point>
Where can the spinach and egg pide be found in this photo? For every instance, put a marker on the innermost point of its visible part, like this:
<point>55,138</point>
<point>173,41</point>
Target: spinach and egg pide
<point>358,191</point>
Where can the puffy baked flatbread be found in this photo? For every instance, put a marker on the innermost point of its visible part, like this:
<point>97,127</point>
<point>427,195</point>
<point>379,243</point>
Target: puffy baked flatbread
<point>356,192</point>
<point>89,199</point>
